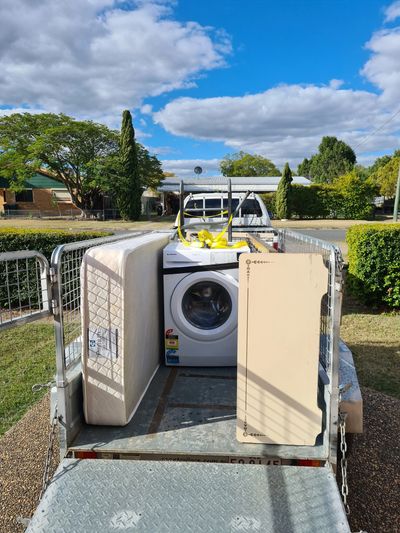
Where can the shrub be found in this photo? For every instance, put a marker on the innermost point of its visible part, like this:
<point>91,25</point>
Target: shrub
<point>392,285</point>
<point>269,200</point>
<point>310,202</point>
<point>42,240</point>
<point>348,197</point>
<point>355,197</point>
<point>374,255</point>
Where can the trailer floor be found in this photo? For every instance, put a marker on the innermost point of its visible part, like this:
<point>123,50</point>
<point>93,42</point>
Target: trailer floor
<point>188,413</point>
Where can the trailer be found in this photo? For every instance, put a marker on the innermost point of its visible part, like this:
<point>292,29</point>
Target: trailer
<point>177,465</point>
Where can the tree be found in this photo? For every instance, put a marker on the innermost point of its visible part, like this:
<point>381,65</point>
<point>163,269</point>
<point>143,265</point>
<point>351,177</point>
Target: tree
<point>362,172</point>
<point>304,168</point>
<point>243,164</point>
<point>283,193</point>
<point>334,158</point>
<point>150,169</point>
<point>386,177</point>
<point>378,163</point>
<point>128,188</point>
<point>74,151</point>
<point>83,155</point>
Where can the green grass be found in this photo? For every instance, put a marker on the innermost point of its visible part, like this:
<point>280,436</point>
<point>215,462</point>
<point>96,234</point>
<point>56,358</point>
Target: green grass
<point>374,339</point>
<point>27,356</point>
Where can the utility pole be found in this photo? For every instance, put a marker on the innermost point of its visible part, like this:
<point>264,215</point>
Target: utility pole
<point>396,200</point>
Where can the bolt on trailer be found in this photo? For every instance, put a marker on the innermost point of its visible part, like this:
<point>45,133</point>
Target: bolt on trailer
<point>177,463</point>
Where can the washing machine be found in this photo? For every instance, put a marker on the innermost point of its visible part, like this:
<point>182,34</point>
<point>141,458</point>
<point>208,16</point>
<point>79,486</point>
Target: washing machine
<point>200,305</point>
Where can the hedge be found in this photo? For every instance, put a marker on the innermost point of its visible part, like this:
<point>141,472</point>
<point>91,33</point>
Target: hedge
<point>269,200</point>
<point>42,240</point>
<point>374,263</point>
<point>21,286</point>
<point>325,201</point>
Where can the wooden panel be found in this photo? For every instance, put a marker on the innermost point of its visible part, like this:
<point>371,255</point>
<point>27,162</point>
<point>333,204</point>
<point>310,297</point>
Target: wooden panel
<point>278,347</point>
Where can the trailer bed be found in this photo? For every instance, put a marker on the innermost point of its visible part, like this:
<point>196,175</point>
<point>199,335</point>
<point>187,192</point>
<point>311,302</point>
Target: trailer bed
<point>176,497</point>
<point>187,413</point>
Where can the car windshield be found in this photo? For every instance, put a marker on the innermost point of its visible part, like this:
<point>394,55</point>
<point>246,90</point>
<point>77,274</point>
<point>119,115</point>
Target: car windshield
<point>195,207</point>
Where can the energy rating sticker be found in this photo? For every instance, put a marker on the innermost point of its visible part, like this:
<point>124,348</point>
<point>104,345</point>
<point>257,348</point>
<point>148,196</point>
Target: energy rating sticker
<point>172,342</point>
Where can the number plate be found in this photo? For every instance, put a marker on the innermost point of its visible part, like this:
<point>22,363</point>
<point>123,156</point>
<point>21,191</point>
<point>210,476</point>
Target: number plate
<point>255,460</point>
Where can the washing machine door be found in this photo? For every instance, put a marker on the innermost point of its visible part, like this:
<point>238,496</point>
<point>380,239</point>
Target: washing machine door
<point>204,305</point>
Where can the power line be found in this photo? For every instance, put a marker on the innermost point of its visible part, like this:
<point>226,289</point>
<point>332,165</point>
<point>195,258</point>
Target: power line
<point>376,130</point>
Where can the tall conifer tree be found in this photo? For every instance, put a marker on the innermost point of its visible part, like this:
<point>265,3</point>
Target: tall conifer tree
<point>130,191</point>
<point>282,199</point>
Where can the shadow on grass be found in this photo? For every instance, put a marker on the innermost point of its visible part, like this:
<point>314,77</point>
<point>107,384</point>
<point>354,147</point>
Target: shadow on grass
<point>352,306</point>
<point>378,365</point>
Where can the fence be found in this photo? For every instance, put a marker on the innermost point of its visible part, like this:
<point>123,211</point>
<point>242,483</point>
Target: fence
<point>24,287</point>
<point>99,214</point>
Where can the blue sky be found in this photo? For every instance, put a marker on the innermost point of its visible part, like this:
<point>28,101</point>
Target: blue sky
<point>207,78</point>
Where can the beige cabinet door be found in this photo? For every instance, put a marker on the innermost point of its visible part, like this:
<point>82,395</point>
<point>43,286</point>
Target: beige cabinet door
<point>278,347</point>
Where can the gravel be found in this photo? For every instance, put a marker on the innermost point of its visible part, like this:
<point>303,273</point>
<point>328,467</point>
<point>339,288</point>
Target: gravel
<point>23,452</point>
<point>373,467</point>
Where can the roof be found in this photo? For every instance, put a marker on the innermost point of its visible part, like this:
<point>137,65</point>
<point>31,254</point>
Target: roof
<point>40,180</point>
<point>219,183</point>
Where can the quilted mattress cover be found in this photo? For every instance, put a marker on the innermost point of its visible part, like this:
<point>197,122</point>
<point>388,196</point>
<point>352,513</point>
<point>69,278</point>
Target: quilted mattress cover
<point>121,310</point>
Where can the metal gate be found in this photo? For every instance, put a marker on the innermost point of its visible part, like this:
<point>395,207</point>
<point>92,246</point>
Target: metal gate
<point>25,291</point>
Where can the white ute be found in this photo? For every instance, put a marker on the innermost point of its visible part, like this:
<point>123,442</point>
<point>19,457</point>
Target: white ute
<point>212,207</point>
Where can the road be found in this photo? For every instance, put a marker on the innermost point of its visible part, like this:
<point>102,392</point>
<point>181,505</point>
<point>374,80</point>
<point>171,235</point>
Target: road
<point>334,236</point>
<point>330,235</point>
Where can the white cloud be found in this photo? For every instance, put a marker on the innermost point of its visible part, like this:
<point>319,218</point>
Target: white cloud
<point>160,150</point>
<point>185,167</point>
<point>383,68</point>
<point>392,12</point>
<point>146,109</point>
<point>91,58</point>
<point>283,123</point>
<point>335,84</point>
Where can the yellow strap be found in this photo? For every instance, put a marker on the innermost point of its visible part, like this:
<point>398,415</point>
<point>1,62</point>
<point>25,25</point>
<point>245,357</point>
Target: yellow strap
<point>206,239</point>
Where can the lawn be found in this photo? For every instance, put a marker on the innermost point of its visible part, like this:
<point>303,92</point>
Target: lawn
<point>88,224</point>
<point>27,357</point>
<point>156,223</point>
<point>374,339</point>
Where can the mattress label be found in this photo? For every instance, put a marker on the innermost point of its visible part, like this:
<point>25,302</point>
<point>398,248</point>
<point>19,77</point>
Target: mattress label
<point>103,342</point>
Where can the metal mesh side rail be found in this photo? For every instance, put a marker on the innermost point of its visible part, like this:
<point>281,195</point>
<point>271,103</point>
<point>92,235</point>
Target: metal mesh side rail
<point>24,289</point>
<point>293,242</point>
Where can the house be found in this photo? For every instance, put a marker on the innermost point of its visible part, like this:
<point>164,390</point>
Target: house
<point>43,195</point>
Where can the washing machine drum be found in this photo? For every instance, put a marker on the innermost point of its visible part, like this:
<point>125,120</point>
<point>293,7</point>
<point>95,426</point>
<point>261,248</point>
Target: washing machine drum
<point>204,305</point>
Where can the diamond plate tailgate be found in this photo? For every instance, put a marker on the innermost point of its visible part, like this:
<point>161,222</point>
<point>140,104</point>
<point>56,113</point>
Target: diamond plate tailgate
<point>160,497</point>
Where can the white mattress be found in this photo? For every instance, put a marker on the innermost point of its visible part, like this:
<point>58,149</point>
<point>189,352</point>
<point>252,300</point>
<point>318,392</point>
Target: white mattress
<point>121,309</point>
